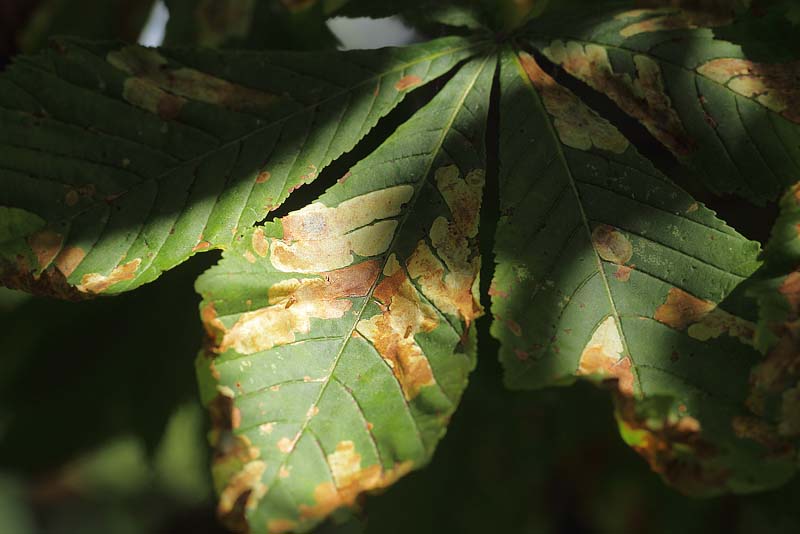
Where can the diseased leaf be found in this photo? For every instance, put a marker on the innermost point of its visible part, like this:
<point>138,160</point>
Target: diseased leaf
<point>608,271</point>
<point>775,382</point>
<point>341,334</point>
<point>138,158</point>
<point>733,120</point>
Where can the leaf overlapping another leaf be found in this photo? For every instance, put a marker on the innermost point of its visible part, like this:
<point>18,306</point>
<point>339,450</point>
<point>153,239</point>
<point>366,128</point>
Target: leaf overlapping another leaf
<point>629,277</point>
<point>135,159</point>
<point>731,119</point>
<point>341,334</point>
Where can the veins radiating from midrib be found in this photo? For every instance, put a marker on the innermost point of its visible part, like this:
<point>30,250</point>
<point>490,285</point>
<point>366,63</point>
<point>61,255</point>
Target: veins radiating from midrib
<point>368,296</point>
<point>573,184</point>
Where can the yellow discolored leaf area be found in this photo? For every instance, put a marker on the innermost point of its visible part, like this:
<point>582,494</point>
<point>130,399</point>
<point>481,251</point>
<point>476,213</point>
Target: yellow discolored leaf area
<point>292,305</point>
<point>577,125</point>
<point>775,86</point>
<point>643,97</point>
<point>318,238</point>
<point>157,87</point>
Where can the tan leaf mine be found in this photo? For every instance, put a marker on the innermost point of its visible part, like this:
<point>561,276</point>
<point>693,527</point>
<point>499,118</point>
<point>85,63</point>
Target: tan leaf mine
<point>392,331</point>
<point>665,20</point>
<point>611,244</point>
<point>407,82</point>
<point>97,283</point>
<point>45,244</point>
<point>450,285</point>
<point>603,356</point>
<point>69,259</point>
<point>350,480</point>
<point>318,238</point>
<point>643,98</point>
<point>775,86</point>
<point>161,89</point>
<point>701,318</point>
<point>577,125</point>
<point>292,305</point>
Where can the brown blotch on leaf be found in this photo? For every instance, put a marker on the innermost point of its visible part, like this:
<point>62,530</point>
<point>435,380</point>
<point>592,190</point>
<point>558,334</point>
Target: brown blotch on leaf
<point>611,244</point>
<point>603,356</point>
<point>45,244</point>
<point>678,19</point>
<point>577,125</point>
<point>160,88</point>
<point>259,242</point>
<point>643,98</point>
<point>292,305</point>
<point>350,481</point>
<point>623,273</point>
<point>202,245</point>
<point>97,283</point>
<point>682,309</point>
<point>775,86</point>
<point>674,447</point>
<point>392,332</point>
<point>69,259</point>
<point>263,177</point>
<point>407,82</point>
<point>764,433</point>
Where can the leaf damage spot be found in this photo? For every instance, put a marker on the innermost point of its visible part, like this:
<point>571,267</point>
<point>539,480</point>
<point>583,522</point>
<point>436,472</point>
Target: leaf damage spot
<point>603,356</point>
<point>292,305</point>
<point>350,481</point>
<point>682,19</point>
<point>318,238</point>
<point>451,285</point>
<point>643,98</point>
<point>45,244</point>
<point>157,87</point>
<point>702,319</point>
<point>392,332</point>
<point>577,125</point>
<point>611,244</point>
<point>775,86</point>
<point>407,82</point>
<point>97,283</point>
<point>69,259</point>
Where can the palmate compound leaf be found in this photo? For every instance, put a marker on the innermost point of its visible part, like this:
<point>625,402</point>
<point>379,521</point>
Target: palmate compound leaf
<point>341,335</point>
<point>734,120</point>
<point>124,161</point>
<point>608,271</point>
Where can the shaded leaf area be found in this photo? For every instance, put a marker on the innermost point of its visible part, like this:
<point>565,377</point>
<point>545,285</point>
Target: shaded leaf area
<point>633,282</point>
<point>249,24</point>
<point>731,118</point>
<point>341,335</point>
<point>92,19</point>
<point>78,374</point>
<point>26,25</point>
<point>124,161</point>
<point>776,381</point>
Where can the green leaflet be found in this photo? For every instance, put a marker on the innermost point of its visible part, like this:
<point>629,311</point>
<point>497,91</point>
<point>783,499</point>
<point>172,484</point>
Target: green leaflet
<point>341,335</point>
<point>733,120</point>
<point>138,158</point>
<point>607,270</point>
<point>775,382</point>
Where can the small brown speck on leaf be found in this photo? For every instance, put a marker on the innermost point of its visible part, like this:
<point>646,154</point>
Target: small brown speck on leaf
<point>263,177</point>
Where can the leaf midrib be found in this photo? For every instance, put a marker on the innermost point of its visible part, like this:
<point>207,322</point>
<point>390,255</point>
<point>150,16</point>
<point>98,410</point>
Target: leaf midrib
<point>584,219</point>
<point>368,296</point>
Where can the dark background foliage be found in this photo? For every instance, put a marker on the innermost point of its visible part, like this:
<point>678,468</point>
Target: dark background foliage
<point>101,430</point>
